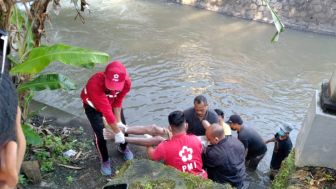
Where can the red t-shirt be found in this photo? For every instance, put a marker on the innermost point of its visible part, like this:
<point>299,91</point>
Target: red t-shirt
<point>182,151</point>
<point>102,101</point>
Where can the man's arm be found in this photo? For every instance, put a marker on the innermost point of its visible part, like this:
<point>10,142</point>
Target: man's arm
<point>206,124</point>
<point>270,140</point>
<point>117,114</point>
<point>150,151</point>
<point>21,140</point>
<point>152,130</point>
<point>9,172</point>
<point>108,135</point>
<point>157,153</point>
<point>145,141</point>
<point>245,143</point>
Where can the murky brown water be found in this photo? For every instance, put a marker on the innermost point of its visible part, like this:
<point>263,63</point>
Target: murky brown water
<point>175,52</point>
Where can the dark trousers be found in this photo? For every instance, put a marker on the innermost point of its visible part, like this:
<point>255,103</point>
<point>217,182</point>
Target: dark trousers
<point>97,124</point>
<point>253,161</point>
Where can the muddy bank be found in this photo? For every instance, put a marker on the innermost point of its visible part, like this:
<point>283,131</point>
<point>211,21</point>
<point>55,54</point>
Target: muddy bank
<point>84,170</point>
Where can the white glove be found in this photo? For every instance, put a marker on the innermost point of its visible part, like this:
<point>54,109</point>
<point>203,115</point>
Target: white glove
<point>122,126</point>
<point>119,138</point>
<point>108,134</point>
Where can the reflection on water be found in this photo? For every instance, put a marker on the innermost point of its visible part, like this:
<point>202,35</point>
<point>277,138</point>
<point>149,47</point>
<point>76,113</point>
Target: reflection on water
<point>175,52</point>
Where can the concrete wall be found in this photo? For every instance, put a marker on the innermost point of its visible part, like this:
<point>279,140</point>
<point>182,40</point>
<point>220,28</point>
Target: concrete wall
<point>316,141</point>
<point>308,15</point>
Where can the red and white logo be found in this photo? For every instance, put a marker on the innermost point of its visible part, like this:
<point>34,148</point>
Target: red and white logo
<point>186,153</point>
<point>116,78</point>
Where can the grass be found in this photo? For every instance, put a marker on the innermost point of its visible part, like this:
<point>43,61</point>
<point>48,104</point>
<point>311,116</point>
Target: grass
<point>193,181</point>
<point>50,152</point>
<point>287,168</point>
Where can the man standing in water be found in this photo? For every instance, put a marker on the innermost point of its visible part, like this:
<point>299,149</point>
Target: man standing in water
<point>224,159</point>
<point>282,148</point>
<point>226,127</point>
<point>255,148</point>
<point>195,115</point>
<point>102,98</point>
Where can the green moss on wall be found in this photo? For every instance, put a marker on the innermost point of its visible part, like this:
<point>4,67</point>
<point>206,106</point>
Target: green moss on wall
<point>146,174</point>
<point>287,168</point>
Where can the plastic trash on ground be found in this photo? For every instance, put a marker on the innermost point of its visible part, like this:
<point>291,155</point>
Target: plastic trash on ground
<point>69,153</point>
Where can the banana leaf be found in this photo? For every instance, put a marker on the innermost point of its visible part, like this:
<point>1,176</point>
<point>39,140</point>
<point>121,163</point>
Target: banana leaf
<point>40,57</point>
<point>31,136</point>
<point>48,81</point>
<point>280,27</point>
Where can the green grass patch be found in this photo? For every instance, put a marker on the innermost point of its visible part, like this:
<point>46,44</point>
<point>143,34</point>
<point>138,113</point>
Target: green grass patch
<point>193,181</point>
<point>153,184</point>
<point>287,168</point>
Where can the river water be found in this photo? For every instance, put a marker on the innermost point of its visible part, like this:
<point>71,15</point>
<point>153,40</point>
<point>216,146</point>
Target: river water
<point>174,53</point>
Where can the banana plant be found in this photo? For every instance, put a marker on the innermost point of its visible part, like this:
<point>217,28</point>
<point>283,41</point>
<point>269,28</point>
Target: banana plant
<point>38,59</point>
<point>29,62</point>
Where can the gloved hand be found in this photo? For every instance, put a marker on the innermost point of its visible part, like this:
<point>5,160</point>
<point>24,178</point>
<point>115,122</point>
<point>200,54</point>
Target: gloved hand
<point>119,138</point>
<point>108,134</point>
<point>122,126</point>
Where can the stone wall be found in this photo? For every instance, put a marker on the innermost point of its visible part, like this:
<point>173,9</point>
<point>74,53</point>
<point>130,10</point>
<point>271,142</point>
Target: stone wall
<point>308,15</point>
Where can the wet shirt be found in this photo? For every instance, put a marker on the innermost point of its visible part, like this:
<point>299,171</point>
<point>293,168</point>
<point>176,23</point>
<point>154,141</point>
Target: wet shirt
<point>182,151</point>
<point>95,94</point>
<point>281,150</point>
<point>194,123</point>
<point>252,141</point>
<point>225,161</point>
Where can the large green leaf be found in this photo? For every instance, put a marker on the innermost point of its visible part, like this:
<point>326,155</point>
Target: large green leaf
<point>277,23</point>
<point>48,81</point>
<point>31,136</point>
<point>40,57</point>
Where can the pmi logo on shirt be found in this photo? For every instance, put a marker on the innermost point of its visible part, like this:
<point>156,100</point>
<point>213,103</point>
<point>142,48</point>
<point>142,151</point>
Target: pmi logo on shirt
<point>186,153</point>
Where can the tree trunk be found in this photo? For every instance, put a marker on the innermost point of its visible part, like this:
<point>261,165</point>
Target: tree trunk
<point>38,12</point>
<point>6,7</point>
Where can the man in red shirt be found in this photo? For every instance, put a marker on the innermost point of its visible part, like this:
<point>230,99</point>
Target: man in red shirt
<point>102,97</point>
<point>182,151</point>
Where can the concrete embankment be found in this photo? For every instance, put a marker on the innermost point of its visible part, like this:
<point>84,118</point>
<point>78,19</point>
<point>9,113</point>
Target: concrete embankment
<point>307,15</point>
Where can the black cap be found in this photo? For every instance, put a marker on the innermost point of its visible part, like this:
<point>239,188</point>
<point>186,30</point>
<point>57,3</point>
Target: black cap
<point>235,119</point>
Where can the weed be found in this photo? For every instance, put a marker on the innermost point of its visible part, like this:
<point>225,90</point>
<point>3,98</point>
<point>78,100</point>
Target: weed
<point>50,152</point>
<point>47,166</point>
<point>329,177</point>
<point>22,180</point>
<point>148,186</point>
<point>69,179</point>
<point>81,130</point>
<point>287,167</point>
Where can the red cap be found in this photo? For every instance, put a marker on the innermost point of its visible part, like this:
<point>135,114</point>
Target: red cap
<point>115,74</point>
